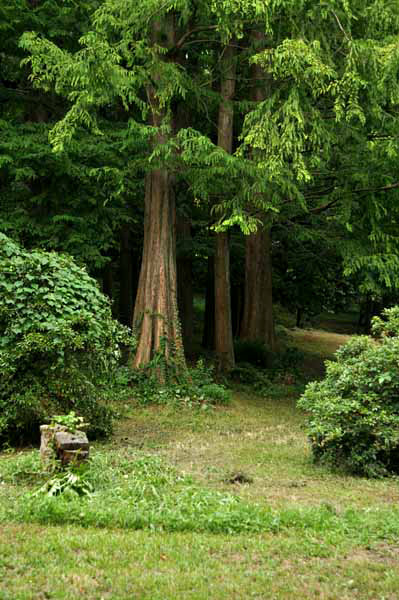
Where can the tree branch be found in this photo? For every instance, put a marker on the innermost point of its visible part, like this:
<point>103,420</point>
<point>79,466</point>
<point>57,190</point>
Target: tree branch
<point>191,32</point>
<point>385,188</point>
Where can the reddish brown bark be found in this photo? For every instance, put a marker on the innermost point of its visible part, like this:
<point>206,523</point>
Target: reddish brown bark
<point>223,328</point>
<point>155,318</point>
<point>155,313</point>
<point>257,322</point>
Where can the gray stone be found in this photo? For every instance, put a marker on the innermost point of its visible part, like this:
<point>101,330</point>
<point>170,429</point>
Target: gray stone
<point>47,450</point>
<point>71,447</point>
<point>57,442</point>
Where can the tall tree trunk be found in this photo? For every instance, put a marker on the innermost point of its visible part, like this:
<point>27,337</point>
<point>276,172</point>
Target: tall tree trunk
<point>185,295</point>
<point>223,328</point>
<point>257,322</point>
<point>155,317</point>
<point>155,312</point>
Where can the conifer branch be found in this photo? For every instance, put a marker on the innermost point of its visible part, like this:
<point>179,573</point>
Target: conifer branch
<point>191,32</point>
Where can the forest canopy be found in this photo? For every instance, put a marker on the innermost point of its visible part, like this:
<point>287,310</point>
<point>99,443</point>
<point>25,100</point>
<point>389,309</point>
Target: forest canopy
<point>227,148</point>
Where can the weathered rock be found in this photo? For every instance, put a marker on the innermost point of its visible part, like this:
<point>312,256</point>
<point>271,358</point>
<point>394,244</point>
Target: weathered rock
<point>58,443</point>
<point>71,447</point>
<point>47,432</point>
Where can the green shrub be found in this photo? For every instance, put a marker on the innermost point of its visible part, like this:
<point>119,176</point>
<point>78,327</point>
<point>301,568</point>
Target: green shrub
<point>249,353</point>
<point>258,379</point>
<point>59,346</point>
<point>254,352</point>
<point>196,387</point>
<point>353,420</point>
<point>289,360</point>
<point>215,393</point>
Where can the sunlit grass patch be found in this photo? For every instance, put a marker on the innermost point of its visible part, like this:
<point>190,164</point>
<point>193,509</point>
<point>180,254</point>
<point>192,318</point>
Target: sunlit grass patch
<point>317,341</point>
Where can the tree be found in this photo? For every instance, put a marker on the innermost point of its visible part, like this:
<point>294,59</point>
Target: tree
<point>257,320</point>
<point>155,312</point>
<point>310,143</point>
<point>145,70</point>
<point>223,327</point>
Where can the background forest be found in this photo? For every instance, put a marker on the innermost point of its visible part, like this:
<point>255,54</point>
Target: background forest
<point>199,204</point>
<point>239,151</point>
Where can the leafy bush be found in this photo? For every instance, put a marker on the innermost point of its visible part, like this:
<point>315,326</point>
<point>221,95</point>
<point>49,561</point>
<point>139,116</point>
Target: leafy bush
<point>59,346</point>
<point>289,360</point>
<point>196,387</point>
<point>265,383</point>
<point>354,412</point>
<point>254,352</point>
<point>257,378</point>
<point>215,393</point>
<point>266,365</point>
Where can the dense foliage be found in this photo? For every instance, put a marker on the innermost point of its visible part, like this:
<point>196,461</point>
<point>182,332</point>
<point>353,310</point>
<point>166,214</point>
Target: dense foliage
<point>353,420</point>
<point>135,134</point>
<point>59,345</point>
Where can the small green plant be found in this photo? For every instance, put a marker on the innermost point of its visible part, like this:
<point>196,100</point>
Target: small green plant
<point>138,492</point>
<point>65,482</point>
<point>23,468</point>
<point>72,422</point>
<point>215,393</point>
<point>353,414</point>
<point>258,379</point>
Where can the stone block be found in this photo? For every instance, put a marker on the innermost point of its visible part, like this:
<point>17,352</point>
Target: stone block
<point>71,447</point>
<point>57,442</point>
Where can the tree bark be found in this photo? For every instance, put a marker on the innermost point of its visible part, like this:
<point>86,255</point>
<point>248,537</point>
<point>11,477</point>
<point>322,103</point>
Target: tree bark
<point>223,327</point>
<point>155,313</point>
<point>155,318</point>
<point>257,322</point>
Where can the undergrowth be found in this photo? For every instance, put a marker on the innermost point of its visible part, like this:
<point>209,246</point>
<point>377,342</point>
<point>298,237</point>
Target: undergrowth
<point>190,388</point>
<point>137,491</point>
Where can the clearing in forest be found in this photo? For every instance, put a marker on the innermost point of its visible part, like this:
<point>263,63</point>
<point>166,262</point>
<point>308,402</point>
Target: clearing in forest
<point>320,535</point>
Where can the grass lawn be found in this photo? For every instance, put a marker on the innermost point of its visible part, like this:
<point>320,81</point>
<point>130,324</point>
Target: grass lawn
<point>213,504</point>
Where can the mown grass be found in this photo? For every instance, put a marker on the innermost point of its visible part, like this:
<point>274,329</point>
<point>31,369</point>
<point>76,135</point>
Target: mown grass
<point>71,562</point>
<point>168,518</point>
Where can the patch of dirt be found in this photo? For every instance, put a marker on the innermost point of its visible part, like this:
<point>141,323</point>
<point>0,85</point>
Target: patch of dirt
<point>239,478</point>
<point>381,553</point>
